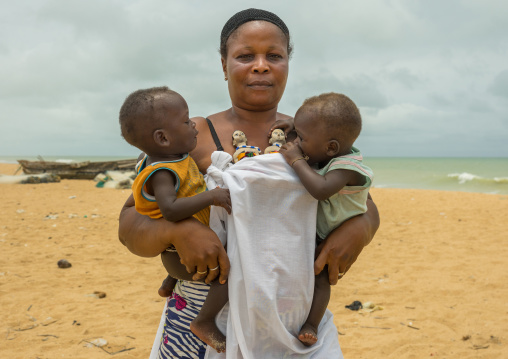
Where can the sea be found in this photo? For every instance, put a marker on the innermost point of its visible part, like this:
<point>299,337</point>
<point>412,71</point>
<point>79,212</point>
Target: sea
<point>483,175</point>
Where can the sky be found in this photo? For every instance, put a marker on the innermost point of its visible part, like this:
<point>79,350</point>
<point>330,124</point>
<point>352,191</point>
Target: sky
<point>430,77</point>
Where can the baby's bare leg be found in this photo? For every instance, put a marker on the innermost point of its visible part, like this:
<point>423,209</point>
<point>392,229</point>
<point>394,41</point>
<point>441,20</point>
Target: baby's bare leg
<point>167,286</point>
<point>171,261</point>
<point>309,330</point>
<point>176,270</point>
<point>204,324</point>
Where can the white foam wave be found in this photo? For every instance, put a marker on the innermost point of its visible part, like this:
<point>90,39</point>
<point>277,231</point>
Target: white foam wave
<point>469,177</point>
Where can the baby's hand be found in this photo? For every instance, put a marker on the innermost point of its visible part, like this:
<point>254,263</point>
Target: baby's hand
<point>286,125</point>
<point>291,152</point>
<point>221,198</point>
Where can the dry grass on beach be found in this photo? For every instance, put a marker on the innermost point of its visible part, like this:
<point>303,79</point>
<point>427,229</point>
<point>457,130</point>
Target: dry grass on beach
<point>436,267</point>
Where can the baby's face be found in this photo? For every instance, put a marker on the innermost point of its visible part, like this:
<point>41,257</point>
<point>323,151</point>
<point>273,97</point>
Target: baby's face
<point>311,136</point>
<point>181,130</point>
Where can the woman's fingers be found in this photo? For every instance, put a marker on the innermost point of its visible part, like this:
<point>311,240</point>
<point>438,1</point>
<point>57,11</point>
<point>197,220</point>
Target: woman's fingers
<point>336,257</point>
<point>224,266</point>
<point>333,269</point>
<point>218,267</point>
<point>201,273</point>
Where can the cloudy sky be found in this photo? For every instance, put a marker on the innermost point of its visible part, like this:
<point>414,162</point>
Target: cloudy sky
<point>430,77</point>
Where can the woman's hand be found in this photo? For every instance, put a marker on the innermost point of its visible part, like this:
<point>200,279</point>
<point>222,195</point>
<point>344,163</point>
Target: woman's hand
<point>343,246</point>
<point>198,246</point>
<point>201,252</point>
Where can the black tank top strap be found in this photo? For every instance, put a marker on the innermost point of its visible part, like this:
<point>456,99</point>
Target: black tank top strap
<point>214,136</point>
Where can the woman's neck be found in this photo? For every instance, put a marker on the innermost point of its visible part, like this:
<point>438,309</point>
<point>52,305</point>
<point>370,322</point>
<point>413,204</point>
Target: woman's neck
<point>241,116</point>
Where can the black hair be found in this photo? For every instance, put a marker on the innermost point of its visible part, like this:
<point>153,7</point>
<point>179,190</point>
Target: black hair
<point>247,15</point>
<point>140,100</point>
<point>339,113</point>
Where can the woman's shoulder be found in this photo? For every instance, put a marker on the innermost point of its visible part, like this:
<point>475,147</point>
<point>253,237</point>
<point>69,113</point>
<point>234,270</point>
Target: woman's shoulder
<point>282,116</point>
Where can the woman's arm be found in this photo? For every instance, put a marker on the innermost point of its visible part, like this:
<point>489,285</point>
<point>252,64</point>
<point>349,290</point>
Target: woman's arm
<point>198,246</point>
<point>343,246</point>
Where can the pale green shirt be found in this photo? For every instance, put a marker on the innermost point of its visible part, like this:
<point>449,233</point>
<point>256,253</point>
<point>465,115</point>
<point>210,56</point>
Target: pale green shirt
<point>350,201</point>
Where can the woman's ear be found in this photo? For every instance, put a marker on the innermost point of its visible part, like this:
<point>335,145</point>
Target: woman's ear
<point>332,148</point>
<point>161,138</point>
<point>224,68</point>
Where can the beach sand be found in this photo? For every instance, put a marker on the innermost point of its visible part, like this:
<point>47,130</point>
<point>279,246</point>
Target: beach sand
<point>435,267</point>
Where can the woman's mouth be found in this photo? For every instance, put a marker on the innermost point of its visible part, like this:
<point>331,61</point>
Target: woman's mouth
<point>259,84</point>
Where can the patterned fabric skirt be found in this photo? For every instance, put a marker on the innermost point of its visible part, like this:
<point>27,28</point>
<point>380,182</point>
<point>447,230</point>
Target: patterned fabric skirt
<point>177,340</point>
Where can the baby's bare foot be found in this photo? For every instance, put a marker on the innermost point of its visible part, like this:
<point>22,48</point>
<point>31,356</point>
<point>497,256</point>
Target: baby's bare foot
<point>167,287</point>
<point>308,335</point>
<point>208,332</point>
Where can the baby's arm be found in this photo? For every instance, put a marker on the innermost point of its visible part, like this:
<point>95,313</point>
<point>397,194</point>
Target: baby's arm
<point>162,185</point>
<point>320,187</point>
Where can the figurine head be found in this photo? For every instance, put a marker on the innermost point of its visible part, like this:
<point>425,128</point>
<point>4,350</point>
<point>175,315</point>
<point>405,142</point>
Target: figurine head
<point>239,138</point>
<point>278,136</point>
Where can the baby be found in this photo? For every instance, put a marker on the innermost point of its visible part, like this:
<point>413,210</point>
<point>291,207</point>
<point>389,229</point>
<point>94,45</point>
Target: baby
<point>331,169</point>
<point>168,182</point>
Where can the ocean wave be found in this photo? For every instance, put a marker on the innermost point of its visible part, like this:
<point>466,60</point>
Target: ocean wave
<point>465,177</point>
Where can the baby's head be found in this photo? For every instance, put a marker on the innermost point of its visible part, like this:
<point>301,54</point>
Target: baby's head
<point>156,120</point>
<point>327,126</point>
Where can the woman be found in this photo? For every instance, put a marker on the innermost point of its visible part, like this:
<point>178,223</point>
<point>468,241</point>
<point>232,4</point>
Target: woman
<point>255,49</point>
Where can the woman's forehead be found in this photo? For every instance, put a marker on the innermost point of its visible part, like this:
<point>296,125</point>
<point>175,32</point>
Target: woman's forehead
<point>257,29</point>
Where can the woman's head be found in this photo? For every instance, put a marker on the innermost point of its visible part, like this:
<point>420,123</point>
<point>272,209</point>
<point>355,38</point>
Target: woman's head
<point>248,15</point>
<point>255,59</point>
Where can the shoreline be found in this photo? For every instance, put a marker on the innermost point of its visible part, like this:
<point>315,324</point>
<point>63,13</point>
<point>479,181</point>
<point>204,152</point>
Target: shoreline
<point>435,266</point>
<point>466,182</point>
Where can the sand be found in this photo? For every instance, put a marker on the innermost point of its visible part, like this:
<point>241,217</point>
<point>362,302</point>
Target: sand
<point>436,267</point>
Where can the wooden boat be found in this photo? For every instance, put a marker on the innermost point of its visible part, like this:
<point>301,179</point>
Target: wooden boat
<point>76,170</point>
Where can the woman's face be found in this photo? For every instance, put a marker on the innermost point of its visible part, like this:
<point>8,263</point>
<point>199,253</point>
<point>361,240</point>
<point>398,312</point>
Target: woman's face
<point>256,66</point>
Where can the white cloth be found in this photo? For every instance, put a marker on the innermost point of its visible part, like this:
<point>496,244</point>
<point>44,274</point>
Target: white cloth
<point>158,336</point>
<point>270,243</point>
<point>221,161</point>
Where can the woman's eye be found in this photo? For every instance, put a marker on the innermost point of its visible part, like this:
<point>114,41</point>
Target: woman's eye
<point>275,56</point>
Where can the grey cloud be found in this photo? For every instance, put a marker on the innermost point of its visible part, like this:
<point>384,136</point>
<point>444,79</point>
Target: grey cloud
<point>499,86</point>
<point>361,88</point>
<point>426,85</point>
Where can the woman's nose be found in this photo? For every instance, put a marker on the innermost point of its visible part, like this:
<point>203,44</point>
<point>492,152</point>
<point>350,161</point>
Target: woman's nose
<point>260,65</point>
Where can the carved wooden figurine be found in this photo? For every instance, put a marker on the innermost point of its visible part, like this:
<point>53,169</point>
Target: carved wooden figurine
<point>278,139</point>
<point>242,150</point>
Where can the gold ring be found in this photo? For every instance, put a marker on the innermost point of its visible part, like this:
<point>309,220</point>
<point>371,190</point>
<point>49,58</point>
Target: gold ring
<point>214,268</point>
<point>341,274</point>
<point>198,272</point>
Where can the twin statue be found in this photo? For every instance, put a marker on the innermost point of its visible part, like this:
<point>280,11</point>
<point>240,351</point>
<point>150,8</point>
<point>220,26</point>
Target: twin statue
<point>277,139</point>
